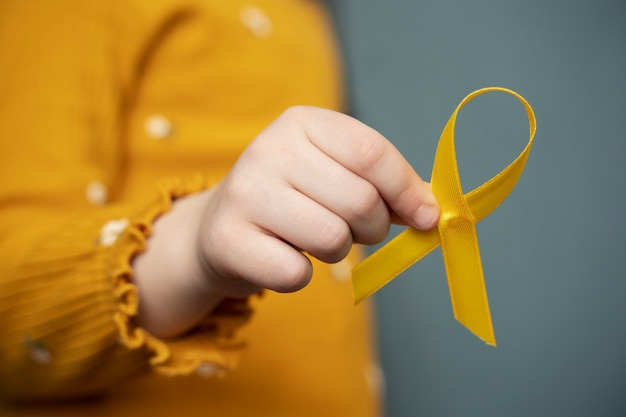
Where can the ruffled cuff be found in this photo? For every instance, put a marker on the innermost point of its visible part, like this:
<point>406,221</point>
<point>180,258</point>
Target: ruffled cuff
<point>212,346</point>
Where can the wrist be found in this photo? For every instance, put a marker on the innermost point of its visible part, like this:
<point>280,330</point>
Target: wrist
<point>174,291</point>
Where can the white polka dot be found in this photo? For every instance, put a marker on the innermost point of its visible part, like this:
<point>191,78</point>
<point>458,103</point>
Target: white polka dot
<point>97,193</point>
<point>256,21</point>
<point>111,231</point>
<point>158,127</point>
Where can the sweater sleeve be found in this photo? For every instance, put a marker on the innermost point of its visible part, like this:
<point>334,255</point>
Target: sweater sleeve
<point>67,238</point>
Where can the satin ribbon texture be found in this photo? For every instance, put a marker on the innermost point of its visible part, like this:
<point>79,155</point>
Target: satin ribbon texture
<point>456,232</point>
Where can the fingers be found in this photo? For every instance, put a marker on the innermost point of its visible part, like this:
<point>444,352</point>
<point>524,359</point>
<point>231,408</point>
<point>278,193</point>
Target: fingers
<point>275,208</point>
<point>242,258</point>
<point>354,201</point>
<point>369,155</point>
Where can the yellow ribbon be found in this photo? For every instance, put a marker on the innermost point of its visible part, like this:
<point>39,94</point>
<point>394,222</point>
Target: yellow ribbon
<point>456,232</point>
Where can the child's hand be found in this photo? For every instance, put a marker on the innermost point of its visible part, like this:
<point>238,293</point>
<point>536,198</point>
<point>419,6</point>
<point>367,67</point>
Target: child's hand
<point>313,181</point>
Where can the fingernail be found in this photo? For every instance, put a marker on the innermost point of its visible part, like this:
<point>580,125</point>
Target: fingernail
<point>426,217</point>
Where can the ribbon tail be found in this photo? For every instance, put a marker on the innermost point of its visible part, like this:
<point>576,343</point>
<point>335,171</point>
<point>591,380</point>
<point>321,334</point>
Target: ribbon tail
<point>464,269</point>
<point>391,260</point>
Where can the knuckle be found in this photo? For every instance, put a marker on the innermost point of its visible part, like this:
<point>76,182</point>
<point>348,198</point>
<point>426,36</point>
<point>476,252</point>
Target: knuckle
<point>334,241</point>
<point>298,112</point>
<point>367,202</point>
<point>369,216</point>
<point>370,151</point>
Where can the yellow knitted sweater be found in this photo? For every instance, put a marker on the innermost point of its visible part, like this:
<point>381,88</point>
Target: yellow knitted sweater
<point>108,111</point>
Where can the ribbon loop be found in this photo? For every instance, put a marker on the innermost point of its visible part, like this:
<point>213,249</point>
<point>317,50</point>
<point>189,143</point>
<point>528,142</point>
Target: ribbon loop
<point>456,232</point>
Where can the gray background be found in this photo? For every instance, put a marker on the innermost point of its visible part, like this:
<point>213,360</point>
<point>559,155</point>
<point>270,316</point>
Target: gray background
<point>553,253</point>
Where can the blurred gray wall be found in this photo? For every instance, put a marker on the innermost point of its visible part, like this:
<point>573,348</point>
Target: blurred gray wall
<point>554,252</point>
